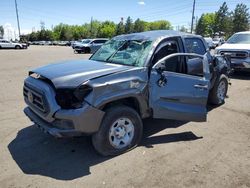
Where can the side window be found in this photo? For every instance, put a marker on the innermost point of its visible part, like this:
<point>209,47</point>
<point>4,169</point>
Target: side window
<point>195,45</point>
<point>165,49</point>
<point>98,42</point>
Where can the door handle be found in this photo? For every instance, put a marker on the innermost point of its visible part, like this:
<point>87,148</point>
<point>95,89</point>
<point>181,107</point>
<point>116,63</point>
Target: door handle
<point>200,86</point>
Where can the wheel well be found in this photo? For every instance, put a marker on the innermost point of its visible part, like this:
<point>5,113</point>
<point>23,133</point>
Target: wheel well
<point>130,102</point>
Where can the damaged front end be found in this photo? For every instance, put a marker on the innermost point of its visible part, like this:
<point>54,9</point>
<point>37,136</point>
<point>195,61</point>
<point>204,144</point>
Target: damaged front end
<point>66,115</point>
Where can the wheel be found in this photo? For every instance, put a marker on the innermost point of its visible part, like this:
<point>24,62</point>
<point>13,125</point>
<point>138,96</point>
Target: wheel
<point>17,47</point>
<point>218,93</point>
<point>120,131</point>
<point>87,50</point>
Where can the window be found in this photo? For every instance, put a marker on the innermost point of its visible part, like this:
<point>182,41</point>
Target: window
<point>165,49</point>
<point>99,41</point>
<point>195,45</point>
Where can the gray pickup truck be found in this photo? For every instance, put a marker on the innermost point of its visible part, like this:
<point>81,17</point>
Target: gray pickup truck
<point>159,74</point>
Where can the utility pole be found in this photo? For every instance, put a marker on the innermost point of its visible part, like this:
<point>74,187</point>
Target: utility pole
<point>17,17</point>
<point>192,21</point>
<point>91,26</point>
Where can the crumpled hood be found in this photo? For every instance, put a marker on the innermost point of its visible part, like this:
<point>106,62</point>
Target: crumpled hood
<point>74,73</point>
<point>228,46</point>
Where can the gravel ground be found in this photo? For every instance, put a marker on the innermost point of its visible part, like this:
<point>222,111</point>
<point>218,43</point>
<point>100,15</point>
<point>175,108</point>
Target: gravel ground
<point>172,153</point>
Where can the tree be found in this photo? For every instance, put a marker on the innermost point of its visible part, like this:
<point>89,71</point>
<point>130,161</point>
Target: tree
<point>158,25</point>
<point>139,25</point>
<point>107,29</point>
<point>129,25</point>
<point>120,28</point>
<point>183,29</point>
<point>1,31</point>
<point>223,20</point>
<point>205,25</point>
<point>241,18</point>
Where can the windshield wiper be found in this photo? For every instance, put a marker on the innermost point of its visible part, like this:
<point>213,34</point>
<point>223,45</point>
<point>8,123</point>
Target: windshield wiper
<point>112,55</point>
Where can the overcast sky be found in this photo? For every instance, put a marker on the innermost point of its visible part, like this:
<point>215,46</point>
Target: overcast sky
<point>53,12</point>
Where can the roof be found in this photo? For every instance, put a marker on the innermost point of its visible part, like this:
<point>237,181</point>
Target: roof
<point>243,32</point>
<point>151,35</point>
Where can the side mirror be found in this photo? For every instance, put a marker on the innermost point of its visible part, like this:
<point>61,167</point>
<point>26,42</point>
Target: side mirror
<point>195,66</point>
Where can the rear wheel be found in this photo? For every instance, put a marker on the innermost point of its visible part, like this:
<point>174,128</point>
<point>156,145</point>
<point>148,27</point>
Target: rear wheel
<point>120,131</point>
<point>87,50</point>
<point>219,91</point>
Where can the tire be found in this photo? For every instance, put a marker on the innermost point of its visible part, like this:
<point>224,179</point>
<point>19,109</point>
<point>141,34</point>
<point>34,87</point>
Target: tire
<point>17,47</point>
<point>120,131</point>
<point>219,92</point>
<point>87,50</point>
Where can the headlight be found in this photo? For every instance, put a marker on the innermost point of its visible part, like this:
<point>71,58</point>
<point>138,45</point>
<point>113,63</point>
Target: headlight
<point>216,52</point>
<point>72,98</point>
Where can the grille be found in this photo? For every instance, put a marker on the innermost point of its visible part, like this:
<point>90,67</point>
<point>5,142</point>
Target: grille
<point>236,54</point>
<point>34,99</point>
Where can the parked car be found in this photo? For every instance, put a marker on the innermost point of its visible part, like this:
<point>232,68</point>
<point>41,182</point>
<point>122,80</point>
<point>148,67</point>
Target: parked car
<point>217,41</point>
<point>238,46</point>
<point>209,41</point>
<point>159,74</point>
<point>12,45</point>
<point>89,45</point>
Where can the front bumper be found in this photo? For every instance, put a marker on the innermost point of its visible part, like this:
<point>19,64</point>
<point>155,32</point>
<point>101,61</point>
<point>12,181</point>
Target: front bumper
<point>240,64</point>
<point>48,127</point>
<point>69,123</point>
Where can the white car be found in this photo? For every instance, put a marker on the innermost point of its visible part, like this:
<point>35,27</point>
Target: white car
<point>218,41</point>
<point>14,45</point>
<point>209,41</point>
<point>238,46</point>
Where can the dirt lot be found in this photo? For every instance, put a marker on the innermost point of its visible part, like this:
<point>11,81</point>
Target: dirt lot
<point>172,153</point>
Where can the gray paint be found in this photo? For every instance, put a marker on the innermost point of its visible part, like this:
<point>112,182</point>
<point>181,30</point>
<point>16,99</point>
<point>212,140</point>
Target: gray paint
<point>179,99</point>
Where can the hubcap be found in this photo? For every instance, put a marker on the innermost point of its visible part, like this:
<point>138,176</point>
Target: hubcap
<point>221,93</point>
<point>121,133</point>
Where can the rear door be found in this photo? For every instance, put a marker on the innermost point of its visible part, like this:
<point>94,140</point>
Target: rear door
<point>179,85</point>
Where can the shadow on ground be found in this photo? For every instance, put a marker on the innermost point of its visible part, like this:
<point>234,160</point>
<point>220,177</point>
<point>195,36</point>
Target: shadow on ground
<point>241,75</point>
<point>68,159</point>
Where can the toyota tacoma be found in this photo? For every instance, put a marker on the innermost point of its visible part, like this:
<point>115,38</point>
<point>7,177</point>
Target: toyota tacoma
<point>158,74</point>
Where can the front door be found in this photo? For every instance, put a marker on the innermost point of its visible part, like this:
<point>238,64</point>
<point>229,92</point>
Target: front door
<point>179,89</point>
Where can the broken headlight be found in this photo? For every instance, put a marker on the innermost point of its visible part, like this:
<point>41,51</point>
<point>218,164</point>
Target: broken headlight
<point>72,98</point>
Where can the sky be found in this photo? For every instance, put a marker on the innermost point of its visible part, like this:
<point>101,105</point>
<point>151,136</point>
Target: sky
<point>53,12</point>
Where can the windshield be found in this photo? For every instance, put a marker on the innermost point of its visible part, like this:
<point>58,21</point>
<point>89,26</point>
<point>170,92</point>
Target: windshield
<point>85,41</point>
<point>239,39</point>
<point>216,39</point>
<point>126,52</point>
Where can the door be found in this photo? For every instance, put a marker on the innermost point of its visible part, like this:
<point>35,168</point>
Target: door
<point>96,44</point>
<point>179,87</point>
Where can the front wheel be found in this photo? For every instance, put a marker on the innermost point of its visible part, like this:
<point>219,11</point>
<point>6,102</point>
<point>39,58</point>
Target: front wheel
<point>219,92</point>
<point>120,131</point>
<point>17,47</point>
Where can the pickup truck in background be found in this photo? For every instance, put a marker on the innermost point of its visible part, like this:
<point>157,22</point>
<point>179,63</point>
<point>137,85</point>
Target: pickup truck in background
<point>159,74</point>
<point>89,45</point>
<point>238,47</point>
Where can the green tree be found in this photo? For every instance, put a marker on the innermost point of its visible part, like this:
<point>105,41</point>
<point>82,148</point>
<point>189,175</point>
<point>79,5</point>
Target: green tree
<point>241,18</point>
<point>1,31</point>
<point>129,25</point>
<point>206,24</point>
<point>223,22</point>
<point>120,28</point>
<point>107,29</point>
<point>158,25</point>
<point>140,25</point>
